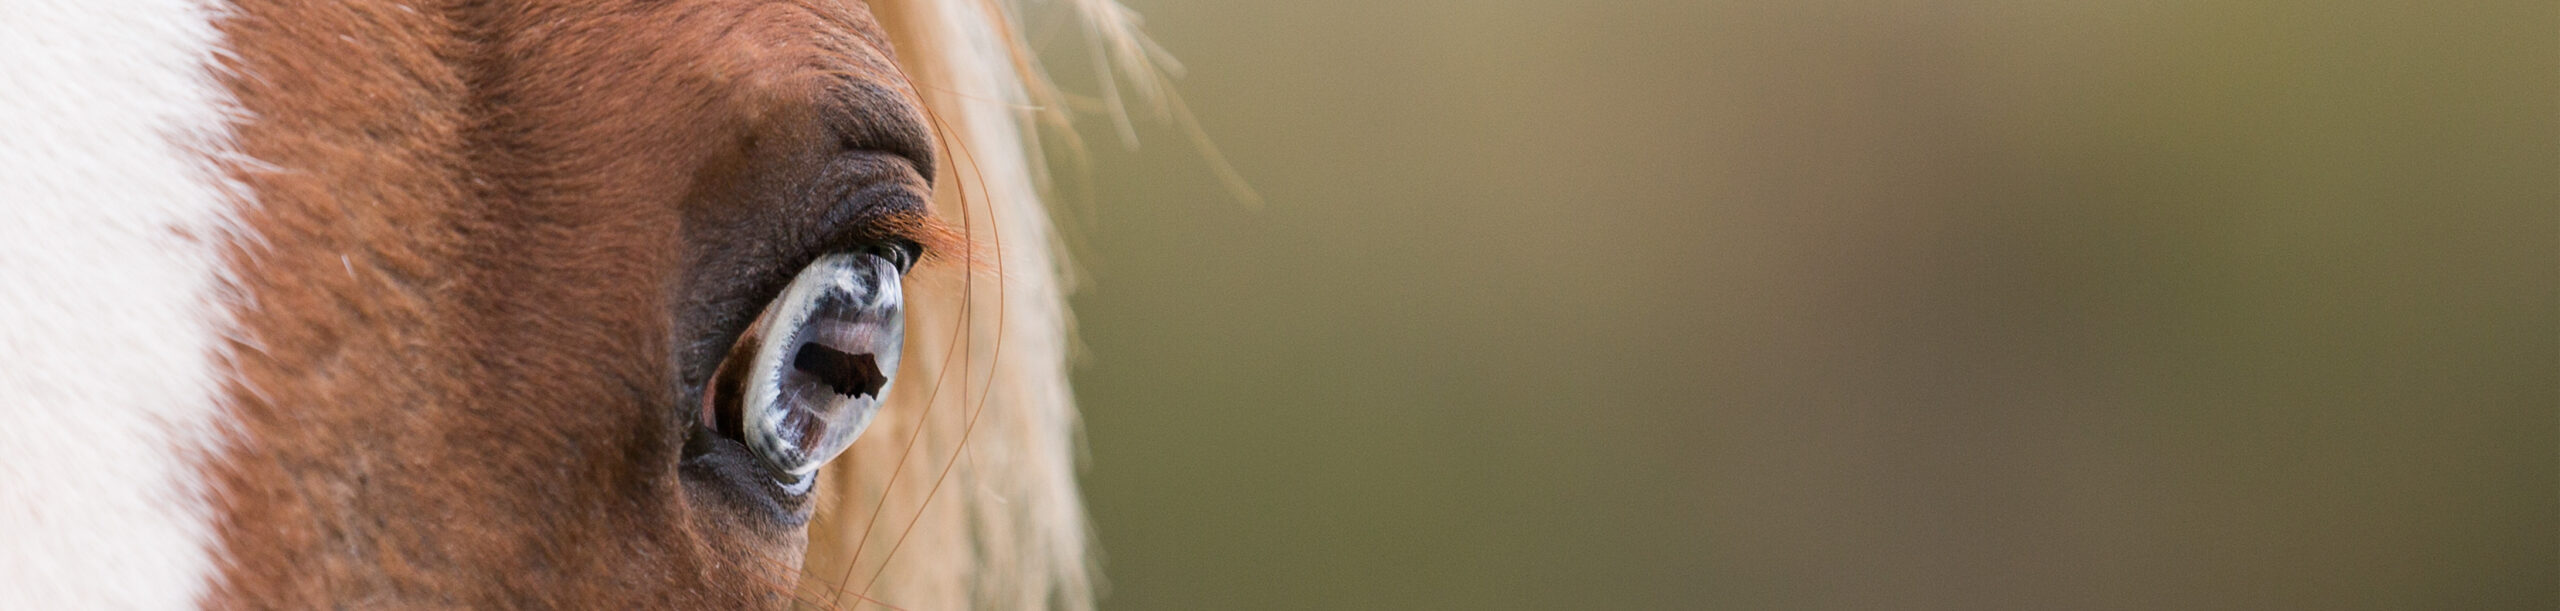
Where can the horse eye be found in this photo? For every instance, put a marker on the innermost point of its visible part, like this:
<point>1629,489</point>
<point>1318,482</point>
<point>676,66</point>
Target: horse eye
<point>818,360</point>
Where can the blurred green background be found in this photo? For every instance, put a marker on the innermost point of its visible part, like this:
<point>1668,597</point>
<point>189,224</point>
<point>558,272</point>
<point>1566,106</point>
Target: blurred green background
<point>1829,305</point>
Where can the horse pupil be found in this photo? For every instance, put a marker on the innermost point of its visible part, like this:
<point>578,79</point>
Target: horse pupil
<point>848,374</point>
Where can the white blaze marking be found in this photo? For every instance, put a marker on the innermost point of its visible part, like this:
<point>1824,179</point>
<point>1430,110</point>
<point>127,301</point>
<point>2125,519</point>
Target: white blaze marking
<point>110,227</point>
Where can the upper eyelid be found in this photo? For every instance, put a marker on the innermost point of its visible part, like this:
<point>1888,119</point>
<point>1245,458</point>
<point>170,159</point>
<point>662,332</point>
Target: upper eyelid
<point>867,116</point>
<point>906,215</point>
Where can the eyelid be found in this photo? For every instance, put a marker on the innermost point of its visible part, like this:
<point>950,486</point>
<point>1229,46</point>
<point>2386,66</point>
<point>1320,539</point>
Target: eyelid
<point>872,117</point>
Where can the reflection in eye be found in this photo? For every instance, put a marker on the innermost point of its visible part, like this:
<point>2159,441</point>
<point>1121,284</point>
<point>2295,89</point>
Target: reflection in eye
<point>818,361</point>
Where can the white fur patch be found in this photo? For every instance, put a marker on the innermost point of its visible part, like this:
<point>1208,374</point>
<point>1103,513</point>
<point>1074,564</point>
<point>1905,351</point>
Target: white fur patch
<point>111,223</point>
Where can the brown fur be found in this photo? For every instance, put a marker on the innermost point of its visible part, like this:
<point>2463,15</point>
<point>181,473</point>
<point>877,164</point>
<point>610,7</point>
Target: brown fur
<point>497,244</point>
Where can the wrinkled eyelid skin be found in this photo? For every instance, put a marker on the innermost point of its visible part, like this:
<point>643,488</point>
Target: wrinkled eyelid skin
<point>870,116</point>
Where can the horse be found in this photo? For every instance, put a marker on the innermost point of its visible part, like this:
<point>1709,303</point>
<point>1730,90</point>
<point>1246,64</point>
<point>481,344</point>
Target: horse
<point>532,303</point>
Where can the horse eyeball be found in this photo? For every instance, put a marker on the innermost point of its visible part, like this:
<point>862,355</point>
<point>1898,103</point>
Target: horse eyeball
<point>823,355</point>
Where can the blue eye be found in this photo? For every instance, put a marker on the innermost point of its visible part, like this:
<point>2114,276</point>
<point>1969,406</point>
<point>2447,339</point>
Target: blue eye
<point>823,355</point>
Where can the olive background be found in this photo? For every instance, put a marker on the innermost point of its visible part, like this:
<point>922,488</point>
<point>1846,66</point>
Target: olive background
<point>1826,305</point>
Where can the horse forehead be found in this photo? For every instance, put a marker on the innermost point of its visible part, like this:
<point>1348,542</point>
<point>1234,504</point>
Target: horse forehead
<point>110,267</point>
<point>727,42</point>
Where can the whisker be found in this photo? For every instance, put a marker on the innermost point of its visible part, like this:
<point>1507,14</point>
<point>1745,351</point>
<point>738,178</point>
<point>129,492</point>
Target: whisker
<point>961,335</point>
<point>995,231</point>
